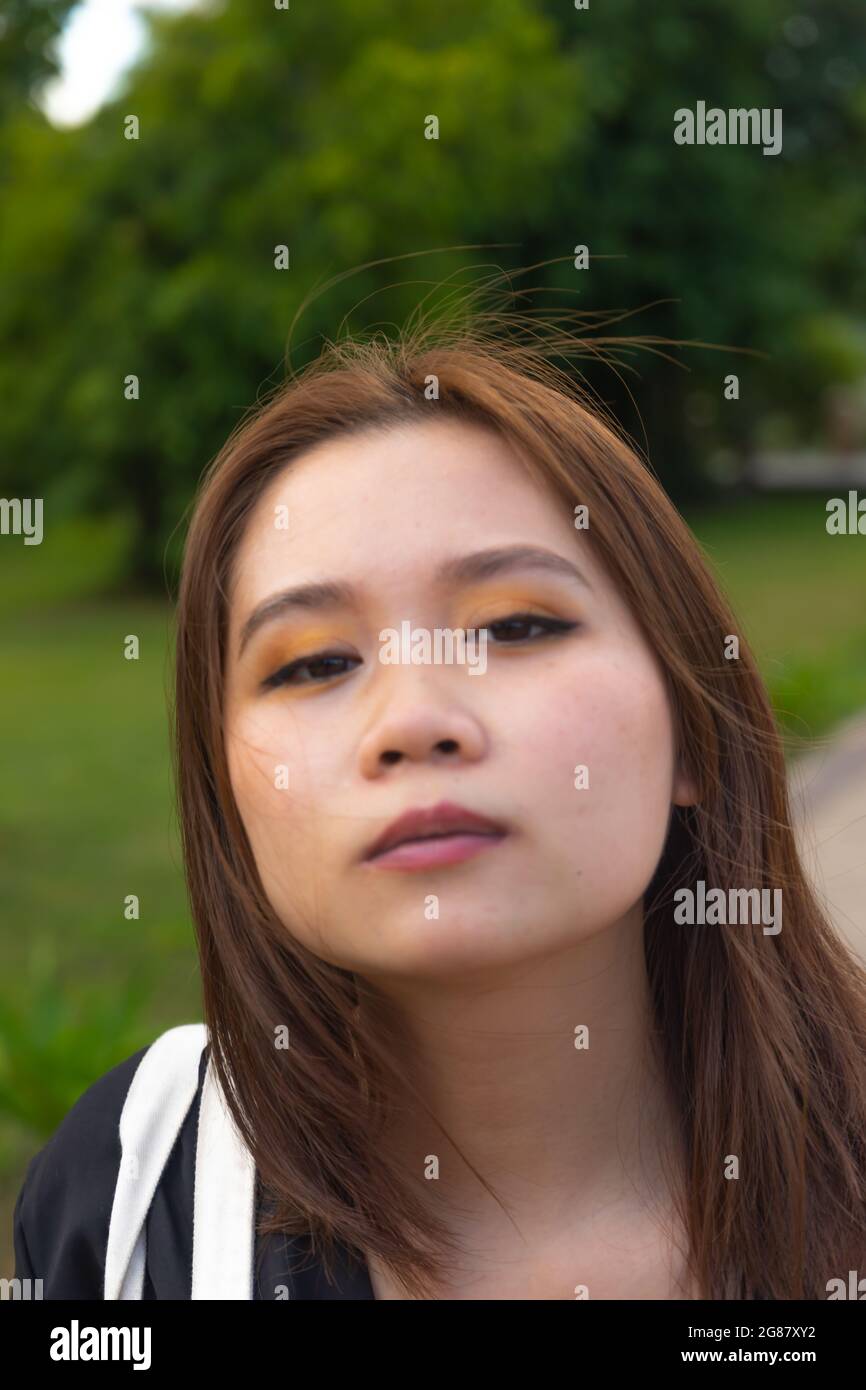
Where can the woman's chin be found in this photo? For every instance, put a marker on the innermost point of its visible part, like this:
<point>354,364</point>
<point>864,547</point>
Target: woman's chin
<point>465,946</point>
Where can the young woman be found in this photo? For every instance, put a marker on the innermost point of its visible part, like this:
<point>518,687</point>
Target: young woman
<point>471,1039</point>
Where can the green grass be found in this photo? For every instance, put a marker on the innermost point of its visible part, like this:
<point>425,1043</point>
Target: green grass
<point>86,819</point>
<point>88,815</point>
<point>800,595</point>
<point>79,557</point>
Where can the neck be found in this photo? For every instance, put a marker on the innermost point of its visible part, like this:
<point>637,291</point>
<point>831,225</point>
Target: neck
<point>552,1128</point>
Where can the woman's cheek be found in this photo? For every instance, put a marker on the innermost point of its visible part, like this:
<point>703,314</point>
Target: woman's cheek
<point>600,765</point>
<point>249,762</point>
<point>618,714</point>
<point>265,777</point>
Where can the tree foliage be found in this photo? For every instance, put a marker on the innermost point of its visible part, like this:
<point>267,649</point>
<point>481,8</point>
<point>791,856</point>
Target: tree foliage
<point>305,128</point>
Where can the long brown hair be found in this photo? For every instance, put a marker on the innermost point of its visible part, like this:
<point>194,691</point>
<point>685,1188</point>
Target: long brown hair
<point>762,1037</point>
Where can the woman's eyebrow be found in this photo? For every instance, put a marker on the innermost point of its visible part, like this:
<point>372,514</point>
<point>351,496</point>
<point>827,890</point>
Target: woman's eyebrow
<point>479,565</point>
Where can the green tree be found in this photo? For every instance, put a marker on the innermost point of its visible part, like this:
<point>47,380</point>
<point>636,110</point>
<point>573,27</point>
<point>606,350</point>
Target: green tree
<point>156,256</point>
<point>305,128</point>
<point>29,31</point>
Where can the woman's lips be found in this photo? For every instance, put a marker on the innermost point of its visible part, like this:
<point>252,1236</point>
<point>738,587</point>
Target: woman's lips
<point>435,851</point>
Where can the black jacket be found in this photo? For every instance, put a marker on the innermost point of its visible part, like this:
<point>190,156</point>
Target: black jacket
<point>62,1213</point>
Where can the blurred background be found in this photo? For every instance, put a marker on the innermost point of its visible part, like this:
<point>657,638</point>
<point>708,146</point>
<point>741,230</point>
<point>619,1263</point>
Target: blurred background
<point>304,126</point>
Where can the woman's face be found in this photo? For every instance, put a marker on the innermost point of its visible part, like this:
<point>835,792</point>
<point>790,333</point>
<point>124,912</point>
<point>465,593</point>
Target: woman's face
<point>324,756</point>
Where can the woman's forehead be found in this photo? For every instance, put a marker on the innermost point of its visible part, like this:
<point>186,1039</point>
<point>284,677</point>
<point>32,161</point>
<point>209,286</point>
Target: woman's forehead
<point>400,499</point>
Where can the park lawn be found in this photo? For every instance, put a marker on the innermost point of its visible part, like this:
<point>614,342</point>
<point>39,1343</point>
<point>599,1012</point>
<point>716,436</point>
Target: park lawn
<point>88,815</point>
<point>87,818</point>
<point>800,595</point>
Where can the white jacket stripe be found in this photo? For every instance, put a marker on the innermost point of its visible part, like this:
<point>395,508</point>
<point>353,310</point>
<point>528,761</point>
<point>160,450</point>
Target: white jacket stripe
<point>162,1090</point>
<point>224,1218</point>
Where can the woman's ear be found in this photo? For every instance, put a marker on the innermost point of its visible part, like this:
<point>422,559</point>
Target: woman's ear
<point>685,791</point>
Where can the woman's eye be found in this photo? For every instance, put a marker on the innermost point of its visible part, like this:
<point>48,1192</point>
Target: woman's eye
<point>319,666</point>
<point>515,627</point>
<point>324,666</point>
